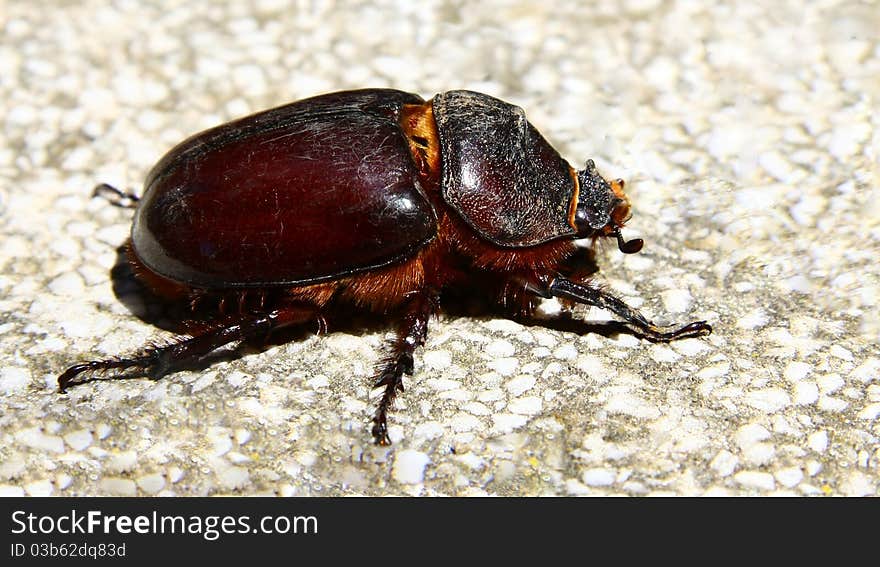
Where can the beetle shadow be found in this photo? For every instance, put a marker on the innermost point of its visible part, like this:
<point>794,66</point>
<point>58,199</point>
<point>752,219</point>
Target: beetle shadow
<point>138,299</point>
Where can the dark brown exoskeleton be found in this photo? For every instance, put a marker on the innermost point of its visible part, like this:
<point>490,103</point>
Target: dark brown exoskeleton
<point>373,199</point>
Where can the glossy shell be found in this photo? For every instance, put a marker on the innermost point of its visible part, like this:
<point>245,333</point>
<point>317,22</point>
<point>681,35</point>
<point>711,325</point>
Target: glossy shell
<point>311,191</point>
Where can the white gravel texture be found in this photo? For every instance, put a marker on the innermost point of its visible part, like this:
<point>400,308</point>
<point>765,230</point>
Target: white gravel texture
<point>748,135</point>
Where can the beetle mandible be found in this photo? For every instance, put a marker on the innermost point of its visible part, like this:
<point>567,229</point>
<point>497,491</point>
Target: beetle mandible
<point>370,198</point>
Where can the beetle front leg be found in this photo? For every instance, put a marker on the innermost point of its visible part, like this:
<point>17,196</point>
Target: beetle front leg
<point>632,319</point>
<point>411,334</point>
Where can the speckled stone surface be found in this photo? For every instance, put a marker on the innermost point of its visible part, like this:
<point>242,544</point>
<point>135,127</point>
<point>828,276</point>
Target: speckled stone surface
<point>748,134</point>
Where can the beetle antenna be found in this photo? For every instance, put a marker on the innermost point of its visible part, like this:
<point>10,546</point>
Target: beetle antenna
<point>628,246</point>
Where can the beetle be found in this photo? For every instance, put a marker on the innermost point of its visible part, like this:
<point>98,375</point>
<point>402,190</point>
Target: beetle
<point>375,199</point>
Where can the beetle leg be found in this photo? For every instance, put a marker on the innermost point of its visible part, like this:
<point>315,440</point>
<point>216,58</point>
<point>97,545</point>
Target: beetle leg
<point>632,319</point>
<point>157,361</point>
<point>116,197</point>
<point>411,334</point>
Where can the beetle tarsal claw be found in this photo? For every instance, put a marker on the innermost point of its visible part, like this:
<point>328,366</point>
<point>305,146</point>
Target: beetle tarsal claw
<point>116,197</point>
<point>695,329</point>
<point>380,433</point>
<point>671,332</point>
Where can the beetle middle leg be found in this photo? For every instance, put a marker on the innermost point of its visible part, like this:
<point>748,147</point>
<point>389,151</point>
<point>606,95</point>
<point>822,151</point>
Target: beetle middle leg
<point>633,320</point>
<point>411,334</point>
<point>156,361</point>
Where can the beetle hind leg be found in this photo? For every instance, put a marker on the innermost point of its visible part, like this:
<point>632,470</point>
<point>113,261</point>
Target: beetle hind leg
<point>157,360</point>
<point>116,197</point>
<point>411,334</point>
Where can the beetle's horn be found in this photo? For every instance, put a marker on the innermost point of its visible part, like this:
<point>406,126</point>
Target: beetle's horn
<point>628,246</point>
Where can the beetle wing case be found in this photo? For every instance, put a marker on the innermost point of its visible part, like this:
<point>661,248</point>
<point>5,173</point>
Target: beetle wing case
<point>305,192</point>
<point>499,173</point>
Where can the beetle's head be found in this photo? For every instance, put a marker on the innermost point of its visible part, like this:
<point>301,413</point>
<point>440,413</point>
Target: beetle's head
<point>602,208</point>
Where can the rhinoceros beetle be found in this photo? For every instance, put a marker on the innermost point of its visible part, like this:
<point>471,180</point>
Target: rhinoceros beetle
<point>370,198</point>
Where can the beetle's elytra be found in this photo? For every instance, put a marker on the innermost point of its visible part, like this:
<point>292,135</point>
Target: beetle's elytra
<point>370,198</point>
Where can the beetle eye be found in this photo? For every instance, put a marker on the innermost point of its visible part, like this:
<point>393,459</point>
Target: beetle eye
<point>589,220</point>
<point>582,220</point>
<point>596,201</point>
